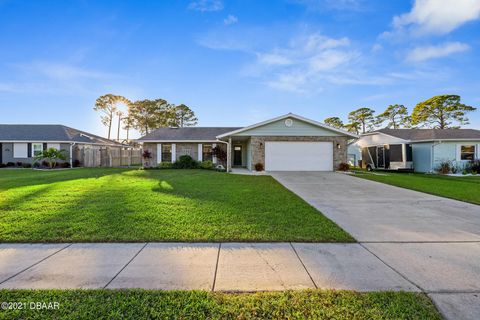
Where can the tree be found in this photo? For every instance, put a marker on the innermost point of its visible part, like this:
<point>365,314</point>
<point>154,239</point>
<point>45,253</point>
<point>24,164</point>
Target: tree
<point>182,116</point>
<point>440,112</point>
<point>334,122</point>
<point>353,127</point>
<point>361,119</point>
<point>107,105</point>
<point>396,115</point>
<point>51,155</point>
<point>150,114</point>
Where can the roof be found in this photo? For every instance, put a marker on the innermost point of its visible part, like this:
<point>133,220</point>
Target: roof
<point>186,134</point>
<point>289,115</point>
<point>432,134</point>
<point>50,133</point>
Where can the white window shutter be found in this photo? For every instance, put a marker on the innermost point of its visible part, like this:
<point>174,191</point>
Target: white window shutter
<point>200,152</point>
<point>159,152</point>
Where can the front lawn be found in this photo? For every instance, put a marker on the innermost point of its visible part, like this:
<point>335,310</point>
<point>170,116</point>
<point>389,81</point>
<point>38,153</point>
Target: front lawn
<point>142,304</point>
<point>97,205</point>
<point>459,188</point>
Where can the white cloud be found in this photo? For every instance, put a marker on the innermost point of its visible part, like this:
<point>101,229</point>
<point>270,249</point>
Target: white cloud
<point>231,19</point>
<point>206,5</point>
<point>430,52</point>
<point>437,16</point>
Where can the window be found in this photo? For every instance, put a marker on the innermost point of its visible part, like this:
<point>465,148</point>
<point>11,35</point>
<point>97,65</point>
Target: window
<point>207,152</point>
<point>20,150</point>
<point>396,153</point>
<point>166,153</point>
<point>53,145</point>
<point>37,148</point>
<point>467,152</point>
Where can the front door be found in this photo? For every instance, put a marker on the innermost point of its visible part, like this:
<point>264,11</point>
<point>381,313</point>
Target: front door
<point>237,155</point>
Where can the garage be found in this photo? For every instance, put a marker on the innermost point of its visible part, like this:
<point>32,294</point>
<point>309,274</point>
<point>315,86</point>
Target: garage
<point>298,156</point>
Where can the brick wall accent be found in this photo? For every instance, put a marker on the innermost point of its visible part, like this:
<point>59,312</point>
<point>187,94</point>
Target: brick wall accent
<point>258,146</point>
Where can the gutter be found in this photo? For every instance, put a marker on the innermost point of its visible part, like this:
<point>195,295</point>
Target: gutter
<point>71,153</point>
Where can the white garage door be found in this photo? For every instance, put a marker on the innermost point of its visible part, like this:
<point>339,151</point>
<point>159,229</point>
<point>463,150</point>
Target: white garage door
<point>298,156</point>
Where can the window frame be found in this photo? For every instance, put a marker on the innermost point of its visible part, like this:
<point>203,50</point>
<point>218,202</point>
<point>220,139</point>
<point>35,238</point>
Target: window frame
<point>34,144</point>
<point>472,153</point>
<point>164,153</point>
<point>207,155</point>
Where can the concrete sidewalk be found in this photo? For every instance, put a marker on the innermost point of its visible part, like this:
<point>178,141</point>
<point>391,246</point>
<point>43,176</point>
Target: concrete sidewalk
<point>454,285</point>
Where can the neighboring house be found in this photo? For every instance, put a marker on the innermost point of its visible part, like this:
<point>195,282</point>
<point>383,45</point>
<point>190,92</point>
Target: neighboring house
<point>286,143</point>
<point>420,149</point>
<point>22,142</point>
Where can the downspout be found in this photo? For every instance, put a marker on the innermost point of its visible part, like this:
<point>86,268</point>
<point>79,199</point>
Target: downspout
<point>71,154</point>
<point>228,148</point>
<point>432,155</point>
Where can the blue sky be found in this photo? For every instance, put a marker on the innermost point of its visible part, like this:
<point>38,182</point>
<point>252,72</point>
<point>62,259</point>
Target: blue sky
<point>234,62</point>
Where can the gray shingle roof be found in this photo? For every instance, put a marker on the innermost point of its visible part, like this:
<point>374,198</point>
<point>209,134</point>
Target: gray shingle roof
<point>432,134</point>
<point>187,133</point>
<point>49,132</point>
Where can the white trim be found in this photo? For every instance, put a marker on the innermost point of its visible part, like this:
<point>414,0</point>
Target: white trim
<point>176,141</point>
<point>200,152</point>
<point>174,153</point>
<point>385,134</point>
<point>289,115</point>
<point>33,148</point>
<point>159,153</point>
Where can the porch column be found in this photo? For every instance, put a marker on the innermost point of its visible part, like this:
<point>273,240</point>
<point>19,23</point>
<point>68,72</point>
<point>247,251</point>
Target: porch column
<point>174,152</point>
<point>229,155</point>
<point>214,158</point>
<point>159,152</point>
<point>200,152</point>
<point>404,154</point>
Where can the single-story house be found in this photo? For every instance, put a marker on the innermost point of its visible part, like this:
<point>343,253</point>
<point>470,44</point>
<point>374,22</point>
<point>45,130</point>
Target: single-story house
<point>22,142</point>
<point>286,143</point>
<point>419,149</point>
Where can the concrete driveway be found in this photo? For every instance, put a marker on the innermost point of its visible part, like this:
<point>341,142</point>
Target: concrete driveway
<point>432,242</point>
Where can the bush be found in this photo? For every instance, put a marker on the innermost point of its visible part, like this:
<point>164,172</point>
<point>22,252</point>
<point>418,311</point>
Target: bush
<point>146,154</point>
<point>65,165</point>
<point>207,164</point>
<point>10,164</point>
<point>444,167</point>
<point>19,164</point>
<point>259,166</point>
<point>475,166</point>
<point>27,165</point>
<point>165,165</point>
<point>2,165</point>
<point>343,166</point>
<point>185,162</point>
<point>45,164</point>
<point>76,163</point>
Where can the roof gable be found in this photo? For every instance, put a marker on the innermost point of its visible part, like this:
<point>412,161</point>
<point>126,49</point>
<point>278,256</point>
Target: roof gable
<point>299,126</point>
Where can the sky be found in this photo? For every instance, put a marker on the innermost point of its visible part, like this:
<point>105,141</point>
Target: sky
<point>234,63</point>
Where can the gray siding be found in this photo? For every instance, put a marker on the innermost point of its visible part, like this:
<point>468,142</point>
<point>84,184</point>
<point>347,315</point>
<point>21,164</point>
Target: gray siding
<point>7,153</point>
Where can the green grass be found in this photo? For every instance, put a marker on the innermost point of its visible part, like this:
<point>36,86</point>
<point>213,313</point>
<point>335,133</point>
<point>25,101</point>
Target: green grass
<point>141,304</point>
<point>460,188</point>
<point>97,205</point>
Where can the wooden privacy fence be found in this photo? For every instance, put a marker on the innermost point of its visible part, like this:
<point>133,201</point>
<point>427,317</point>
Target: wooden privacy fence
<point>93,156</point>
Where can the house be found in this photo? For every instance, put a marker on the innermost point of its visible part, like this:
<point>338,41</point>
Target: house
<point>286,143</point>
<point>22,142</point>
<point>419,149</point>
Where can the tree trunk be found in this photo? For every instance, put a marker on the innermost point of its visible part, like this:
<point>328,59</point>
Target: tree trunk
<point>118,129</point>
<point>110,126</point>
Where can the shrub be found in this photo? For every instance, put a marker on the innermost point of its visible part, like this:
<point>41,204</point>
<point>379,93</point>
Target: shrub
<point>219,154</point>
<point>27,165</point>
<point>2,165</point>
<point>259,166</point>
<point>19,164</point>
<point>475,166</point>
<point>343,166</point>
<point>165,165</point>
<point>444,167</point>
<point>206,165</point>
<point>185,162</point>
<point>10,164</point>
<point>44,163</point>
<point>52,156</point>
<point>76,163</point>
<point>146,154</point>
<point>65,165</point>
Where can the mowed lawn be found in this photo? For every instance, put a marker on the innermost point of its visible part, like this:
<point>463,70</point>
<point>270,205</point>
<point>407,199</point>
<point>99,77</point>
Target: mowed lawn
<point>460,188</point>
<point>142,304</point>
<point>106,205</point>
